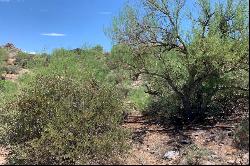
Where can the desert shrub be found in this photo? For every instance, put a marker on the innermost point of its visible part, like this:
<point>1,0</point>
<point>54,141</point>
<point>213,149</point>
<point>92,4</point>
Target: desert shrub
<point>22,59</point>
<point>31,61</point>
<point>88,64</point>
<point>98,48</point>
<point>194,154</point>
<point>166,110</point>
<point>3,57</point>
<point>139,98</point>
<point>63,121</point>
<point>241,135</point>
<point>38,61</point>
<point>12,69</point>
<point>8,91</point>
<point>8,88</point>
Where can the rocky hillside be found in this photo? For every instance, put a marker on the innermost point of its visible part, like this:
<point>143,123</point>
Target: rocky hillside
<point>12,70</point>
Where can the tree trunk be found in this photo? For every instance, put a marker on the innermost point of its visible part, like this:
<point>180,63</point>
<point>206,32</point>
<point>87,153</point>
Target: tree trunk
<point>199,102</point>
<point>187,107</point>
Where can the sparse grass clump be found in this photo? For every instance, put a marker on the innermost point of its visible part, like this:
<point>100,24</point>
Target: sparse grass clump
<point>194,154</point>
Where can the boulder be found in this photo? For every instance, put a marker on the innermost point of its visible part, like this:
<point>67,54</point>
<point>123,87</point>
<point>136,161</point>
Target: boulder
<point>171,154</point>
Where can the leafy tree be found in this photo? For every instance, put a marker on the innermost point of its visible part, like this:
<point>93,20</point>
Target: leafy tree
<point>200,66</point>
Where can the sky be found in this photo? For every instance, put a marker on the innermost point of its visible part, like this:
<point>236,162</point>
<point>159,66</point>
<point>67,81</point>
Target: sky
<point>43,25</point>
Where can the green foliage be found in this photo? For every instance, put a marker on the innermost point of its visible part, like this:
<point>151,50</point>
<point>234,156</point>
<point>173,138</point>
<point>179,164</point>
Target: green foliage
<point>8,92</point>
<point>68,110</point>
<point>166,109</point>
<point>63,121</point>
<point>3,57</point>
<point>7,88</point>
<point>22,59</point>
<point>38,61</point>
<point>139,98</point>
<point>87,64</point>
<point>194,154</point>
<point>120,57</point>
<point>29,61</point>
<point>98,48</point>
<point>11,69</point>
<point>200,70</point>
<point>241,136</point>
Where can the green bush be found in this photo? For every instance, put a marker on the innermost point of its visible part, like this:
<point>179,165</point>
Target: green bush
<point>63,121</point>
<point>194,154</point>
<point>139,98</point>
<point>241,136</point>
<point>38,61</point>
<point>8,91</point>
<point>22,59</point>
<point>25,60</point>
<point>3,57</point>
<point>11,69</point>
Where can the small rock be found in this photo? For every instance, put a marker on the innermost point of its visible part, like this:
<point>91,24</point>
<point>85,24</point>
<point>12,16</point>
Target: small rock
<point>183,161</point>
<point>11,61</point>
<point>213,157</point>
<point>171,154</point>
<point>246,157</point>
<point>221,144</point>
<point>207,163</point>
<point>230,161</point>
<point>185,141</point>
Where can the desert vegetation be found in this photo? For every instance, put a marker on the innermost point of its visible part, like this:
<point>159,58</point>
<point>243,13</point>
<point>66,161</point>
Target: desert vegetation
<point>79,106</point>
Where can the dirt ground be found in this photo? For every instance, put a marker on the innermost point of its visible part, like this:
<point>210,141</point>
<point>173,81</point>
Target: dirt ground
<point>3,155</point>
<point>151,141</point>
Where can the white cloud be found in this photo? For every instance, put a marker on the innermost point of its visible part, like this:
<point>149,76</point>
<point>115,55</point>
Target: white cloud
<point>105,13</point>
<point>32,52</point>
<point>53,34</point>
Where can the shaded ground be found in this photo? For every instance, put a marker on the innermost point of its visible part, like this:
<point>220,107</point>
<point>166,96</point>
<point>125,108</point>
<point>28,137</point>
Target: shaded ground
<point>151,141</point>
